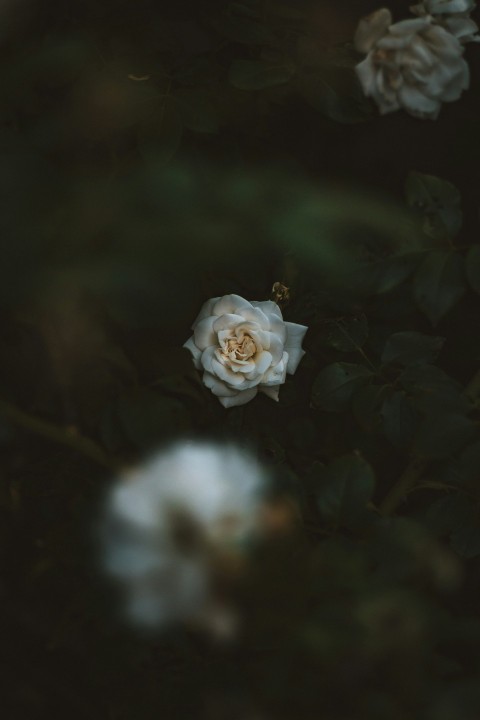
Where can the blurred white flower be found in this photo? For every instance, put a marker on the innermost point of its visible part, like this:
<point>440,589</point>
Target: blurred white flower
<point>177,528</point>
<point>453,15</point>
<point>244,347</point>
<point>414,64</point>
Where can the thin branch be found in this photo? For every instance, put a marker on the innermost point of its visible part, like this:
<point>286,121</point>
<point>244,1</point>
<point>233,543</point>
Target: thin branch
<point>57,434</point>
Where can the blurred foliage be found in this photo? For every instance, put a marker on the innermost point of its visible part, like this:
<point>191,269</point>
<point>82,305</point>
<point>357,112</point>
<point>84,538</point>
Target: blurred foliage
<point>154,156</point>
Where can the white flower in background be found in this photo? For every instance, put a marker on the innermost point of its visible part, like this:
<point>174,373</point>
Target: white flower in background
<point>244,347</point>
<point>414,64</point>
<point>176,526</point>
<point>453,15</point>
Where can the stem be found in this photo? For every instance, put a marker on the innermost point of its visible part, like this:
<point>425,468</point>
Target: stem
<point>407,480</point>
<point>49,430</point>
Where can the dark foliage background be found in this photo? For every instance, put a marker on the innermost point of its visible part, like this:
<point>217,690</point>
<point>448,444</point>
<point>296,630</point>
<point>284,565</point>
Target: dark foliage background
<point>154,155</point>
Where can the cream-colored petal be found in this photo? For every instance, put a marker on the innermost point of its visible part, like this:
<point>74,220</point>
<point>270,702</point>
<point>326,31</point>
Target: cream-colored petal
<point>411,26</point>
<point>295,334</point>
<point>268,307</point>
<point>230,304</point>
<point>271,391</point>
<point>244,366</point>
<point>206,310</point>
<point>227,322</point>
<point>217,387</point>
<point>196,352</point>
<point>207,358</point>
<point>418,104</point>
<point>465,29</point>
<point>294,356</point>
<point>261,338</point>
<point>366,73</point>
<point>371,28</point>
<point>277,327</point>
<point>276,348</point>
<point>224,373</point>
<point>254,314</point>
<point>240,399</point>
<point>276,374</point>
<point>263,361</point>
<point>204,333</point>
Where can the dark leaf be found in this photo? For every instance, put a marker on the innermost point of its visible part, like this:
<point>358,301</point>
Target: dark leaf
<point>442,434</point>
<point>399,419</point>
<point>346,334</point>
<point>439,203</point>
<point>336,93</point>
<point>411,348</point>
<point>439,283</point>
<point>344,489</point>
<point>367,403</point>
<point>336,383</point>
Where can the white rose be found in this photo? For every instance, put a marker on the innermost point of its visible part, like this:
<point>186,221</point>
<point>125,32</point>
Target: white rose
<point>414,64</point>
<point>244,347</point>
<point>173,522</point>
<point>454,15</point>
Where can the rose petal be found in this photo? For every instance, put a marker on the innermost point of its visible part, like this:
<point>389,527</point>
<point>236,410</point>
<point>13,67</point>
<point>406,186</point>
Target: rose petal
<point>206,310</point>
<point>207,358</point>
<point>277,327</point>
<point>276,348</point>
<point>417,103</point>
<point>268,307</point>
<point>227,322</point>
<point>370,29</point>
<point>271,391</point>
<point>230,304</point>
<point>217,387</point>
<point>263,361</point>
<point>293,344</point>
<point>256,315</point>
<point>240,399</point>
<point>276,374</point>
<point>295,333</point>
<point>196,352</point>
<point>204,334</point>
<point>225,374</point>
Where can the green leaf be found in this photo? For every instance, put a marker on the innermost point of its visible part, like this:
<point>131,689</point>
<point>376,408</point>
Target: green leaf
<point>438,202</point>
<point>472,267</point>
<point>411,348</point>
<point>441,435</point>
<point>367,403</point>
<point>399,419</point>
<point>432,390</point>
<point>196,110</point>
<point>336,93</point>
<point>346,334</point>
<point>255,75</point>
<point>439,283</point>
<point>343,490</point>
<point>336,383</point>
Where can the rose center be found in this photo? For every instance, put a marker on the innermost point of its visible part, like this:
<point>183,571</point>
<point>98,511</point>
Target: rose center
<point>239,351</point>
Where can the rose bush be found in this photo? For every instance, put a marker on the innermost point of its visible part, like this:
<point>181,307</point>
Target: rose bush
<point>181,518</point>
<point>415,64</point>
<point>244,347</point>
